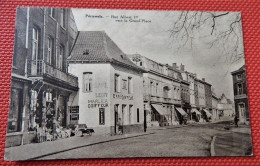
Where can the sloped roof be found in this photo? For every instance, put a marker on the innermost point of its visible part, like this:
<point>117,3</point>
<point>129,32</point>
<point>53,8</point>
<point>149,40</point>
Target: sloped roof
<point>240,69</point>
<point>97,46</point>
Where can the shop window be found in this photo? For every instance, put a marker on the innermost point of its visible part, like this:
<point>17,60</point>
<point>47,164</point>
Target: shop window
<point>117,83</point>
<point>49,50</point>
<point>101,116</point>
<point>15,111</point>
<point>138,120</point>
<point>87,81</point>
<point>130,85</point>
<point>74,113</point>
<point>35,43</point>
<point>241,108</point>
<point>239,89</point>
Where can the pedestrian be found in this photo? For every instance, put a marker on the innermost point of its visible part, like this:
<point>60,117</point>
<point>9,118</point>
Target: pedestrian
<point>236,121</point>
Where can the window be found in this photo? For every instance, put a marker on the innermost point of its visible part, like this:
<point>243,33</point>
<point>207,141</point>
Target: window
<point>50,50</point>
<point>130,114</point>
<point>124,84</point>
<point>130,85</point>
<point>156,89</point>
<point>241,108</point>
<point>35,43</point>
<point>87,81</point>
<point>151,87</point>
<point>52,12</point>
<point>101,116</point>
<point>74,113</point>
<point>239,77</point>
<point>138,115</point>
<point>117,83</point>
<point>62,18</point>
<point>141,63</point>
<point>15,111</point>
<point>239,89</point>
<point>60,58</point>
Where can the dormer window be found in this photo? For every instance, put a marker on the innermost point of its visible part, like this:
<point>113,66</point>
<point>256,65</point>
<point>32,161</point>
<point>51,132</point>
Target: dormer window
<point>86,52</point>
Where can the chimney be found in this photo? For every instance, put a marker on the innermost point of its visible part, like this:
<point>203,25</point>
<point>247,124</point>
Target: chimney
<point>182,67</point>
<point>203,79</point>
<point>174,65</point>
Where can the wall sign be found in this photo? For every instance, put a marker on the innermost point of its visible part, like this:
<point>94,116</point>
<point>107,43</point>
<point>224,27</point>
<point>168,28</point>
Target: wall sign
<point>123,97</point>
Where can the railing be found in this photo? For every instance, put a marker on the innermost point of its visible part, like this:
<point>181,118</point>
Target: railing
<point>40,68</point>
<point>149,97</point>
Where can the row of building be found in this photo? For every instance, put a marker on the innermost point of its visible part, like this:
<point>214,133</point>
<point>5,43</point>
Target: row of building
<point>62,77</point>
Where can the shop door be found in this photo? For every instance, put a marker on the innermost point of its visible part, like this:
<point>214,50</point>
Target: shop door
<point>116,118</point>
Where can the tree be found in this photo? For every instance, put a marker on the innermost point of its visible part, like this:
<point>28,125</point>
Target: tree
<point>219,29</point>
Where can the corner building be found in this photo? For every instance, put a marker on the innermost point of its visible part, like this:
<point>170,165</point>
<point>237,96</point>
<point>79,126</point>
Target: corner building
<point>110,86</point>
<point>41,85</point>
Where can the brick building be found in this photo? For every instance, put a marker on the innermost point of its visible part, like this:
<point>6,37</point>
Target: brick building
<point>41,85</point>
<point>240,94</point>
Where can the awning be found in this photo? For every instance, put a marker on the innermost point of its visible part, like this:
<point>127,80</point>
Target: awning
<point>181,111</point>
<point>196,111</point>
<point>207,112</point>
<point>160,109</point>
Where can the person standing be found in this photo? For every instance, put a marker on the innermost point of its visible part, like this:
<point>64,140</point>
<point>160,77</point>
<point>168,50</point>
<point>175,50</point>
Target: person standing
<point>236,121</point>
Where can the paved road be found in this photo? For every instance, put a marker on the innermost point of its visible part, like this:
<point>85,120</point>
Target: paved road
<point>165,142</point>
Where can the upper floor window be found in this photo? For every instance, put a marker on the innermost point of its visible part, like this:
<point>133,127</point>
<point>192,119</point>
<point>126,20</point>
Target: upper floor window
<point>52,12</point>
<point>130,85</point>
<point>87,81</point>
<point>50,50</point>
<point>239,77</point>
<point>62,17</point>
<point>60,58</point>
<point>239,89</point>
<point>117,83</point>
<point>35,43</point>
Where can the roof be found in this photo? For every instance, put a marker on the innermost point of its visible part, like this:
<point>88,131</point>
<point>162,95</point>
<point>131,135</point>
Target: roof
<point>243,68</point>
<point>97,46</point>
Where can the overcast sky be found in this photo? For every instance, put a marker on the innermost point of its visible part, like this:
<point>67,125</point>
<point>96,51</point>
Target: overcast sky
<point>151,39</point>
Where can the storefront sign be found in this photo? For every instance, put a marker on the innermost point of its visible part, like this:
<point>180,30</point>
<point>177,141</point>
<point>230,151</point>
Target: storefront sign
<point>96,103</point>
<point>122,97</point>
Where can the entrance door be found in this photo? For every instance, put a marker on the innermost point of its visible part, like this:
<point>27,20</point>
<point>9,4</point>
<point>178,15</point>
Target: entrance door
<point>145,125</point>
<point>241,111</point>
<point>116,118</point>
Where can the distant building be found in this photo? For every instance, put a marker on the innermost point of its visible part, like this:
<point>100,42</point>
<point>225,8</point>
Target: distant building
<point>240,94</point>
<point>162,92</point>
<point>215,111</point>
<point>41,85</point>
<point>110,85</point>
<point>225,107</point>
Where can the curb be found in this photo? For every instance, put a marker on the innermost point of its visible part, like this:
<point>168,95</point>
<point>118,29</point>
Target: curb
<point>90,144</point>
<point>212,147</point>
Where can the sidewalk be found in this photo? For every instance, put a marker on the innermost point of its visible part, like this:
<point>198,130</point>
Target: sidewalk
<point>37,150</point>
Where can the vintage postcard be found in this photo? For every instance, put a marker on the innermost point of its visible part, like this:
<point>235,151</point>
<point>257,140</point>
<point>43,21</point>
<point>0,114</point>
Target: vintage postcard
<point>92,83</point>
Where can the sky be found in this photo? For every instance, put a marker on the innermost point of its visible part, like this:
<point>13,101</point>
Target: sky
<point>150,37</point>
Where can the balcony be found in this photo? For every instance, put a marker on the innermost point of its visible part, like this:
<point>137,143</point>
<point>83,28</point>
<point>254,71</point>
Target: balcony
<point>241,96</point>
<point>40,68</point>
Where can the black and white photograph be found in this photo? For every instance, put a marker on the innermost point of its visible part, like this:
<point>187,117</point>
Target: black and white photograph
<point>99,83</point>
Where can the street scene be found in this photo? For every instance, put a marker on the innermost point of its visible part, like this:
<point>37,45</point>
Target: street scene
<point>80,87</point>
<point>190,141</point>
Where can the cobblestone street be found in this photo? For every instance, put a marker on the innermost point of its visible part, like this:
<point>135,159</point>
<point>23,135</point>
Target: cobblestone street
<point>193,140</point>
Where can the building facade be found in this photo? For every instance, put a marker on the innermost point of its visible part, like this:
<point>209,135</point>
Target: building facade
<point>215,111</point>
<point>240,94</point>
<point>162,92</point>
<point>110,86</point>
<point>225,107</point>
<point>41,85</point>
